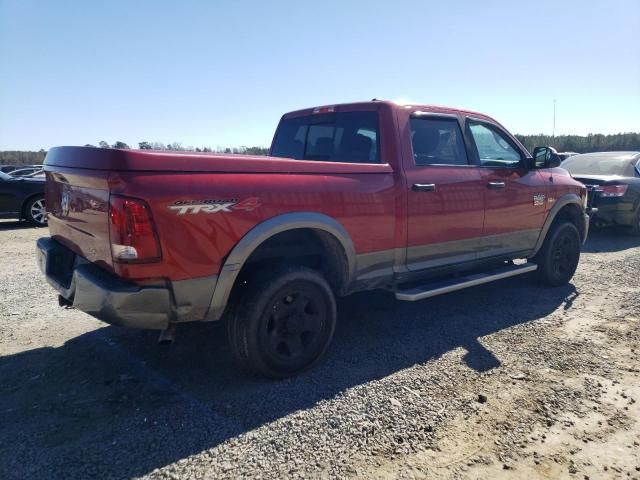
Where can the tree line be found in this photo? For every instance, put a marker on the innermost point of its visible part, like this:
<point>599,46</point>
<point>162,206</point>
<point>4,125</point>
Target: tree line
<point>19,157</point>
<point>24,157</point>
<point>594,142</point>
<point>178,147</point>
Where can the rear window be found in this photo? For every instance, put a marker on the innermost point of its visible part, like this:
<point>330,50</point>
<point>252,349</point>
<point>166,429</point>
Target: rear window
<point>581,165</point>
<point>350,137</point>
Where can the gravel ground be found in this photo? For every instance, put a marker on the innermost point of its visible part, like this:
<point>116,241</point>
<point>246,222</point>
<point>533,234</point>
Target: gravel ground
<point>506,380</point>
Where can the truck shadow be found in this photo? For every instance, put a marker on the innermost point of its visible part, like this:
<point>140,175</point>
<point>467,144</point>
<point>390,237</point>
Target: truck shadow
<point>112,403</point>
<point>611,239</point>
<point>15,225</point>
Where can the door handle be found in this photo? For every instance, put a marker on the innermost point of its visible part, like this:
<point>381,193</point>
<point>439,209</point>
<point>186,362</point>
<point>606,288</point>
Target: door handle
<point>495,185</point>
<point>424,187</point>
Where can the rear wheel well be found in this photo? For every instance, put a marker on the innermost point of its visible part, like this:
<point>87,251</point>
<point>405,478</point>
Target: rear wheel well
<point>306,247</point>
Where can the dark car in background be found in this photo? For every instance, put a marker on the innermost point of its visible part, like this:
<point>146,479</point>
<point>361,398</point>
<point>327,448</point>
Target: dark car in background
<point>23,198</point>
<point>8,168</point>
<point>27,171</point>
<point>20,169</point>
<point>613,180</point>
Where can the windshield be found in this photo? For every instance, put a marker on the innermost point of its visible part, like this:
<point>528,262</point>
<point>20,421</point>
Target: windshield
<point>598,166</point>
<point>4,176</point>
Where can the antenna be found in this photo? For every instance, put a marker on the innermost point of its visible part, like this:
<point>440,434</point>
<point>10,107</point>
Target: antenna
<point>553,134</point>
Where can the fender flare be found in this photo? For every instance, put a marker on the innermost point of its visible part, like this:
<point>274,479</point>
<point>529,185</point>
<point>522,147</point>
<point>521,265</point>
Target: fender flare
<point>263,231</point>
<point>563,201</point>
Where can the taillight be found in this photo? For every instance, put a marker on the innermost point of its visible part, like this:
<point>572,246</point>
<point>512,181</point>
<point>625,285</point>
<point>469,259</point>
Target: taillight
<point>612,190</point>
<point>132,232</point>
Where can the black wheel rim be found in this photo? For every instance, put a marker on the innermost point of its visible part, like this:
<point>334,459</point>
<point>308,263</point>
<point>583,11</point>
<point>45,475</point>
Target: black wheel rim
<point>294,328</point>
<point>566,250</point>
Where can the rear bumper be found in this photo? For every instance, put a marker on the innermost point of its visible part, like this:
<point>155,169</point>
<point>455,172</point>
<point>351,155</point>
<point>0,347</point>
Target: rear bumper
<point>111,299</point>
<point>619,213</point>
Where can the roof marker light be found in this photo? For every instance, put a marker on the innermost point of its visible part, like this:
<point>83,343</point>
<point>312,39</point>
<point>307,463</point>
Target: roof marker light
<point>330,109</point>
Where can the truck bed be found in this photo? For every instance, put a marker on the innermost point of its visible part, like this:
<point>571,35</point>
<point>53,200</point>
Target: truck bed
<point>173,161</point>
<point>80,181</point>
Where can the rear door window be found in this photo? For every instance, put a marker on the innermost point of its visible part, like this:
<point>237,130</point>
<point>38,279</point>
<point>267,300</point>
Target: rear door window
<point>437,141</point>
<point>351,137</point>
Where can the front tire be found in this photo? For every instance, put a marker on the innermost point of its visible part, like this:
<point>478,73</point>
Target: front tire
<point>559,256</point>
<point>282,323</point>
<point>35,211</point>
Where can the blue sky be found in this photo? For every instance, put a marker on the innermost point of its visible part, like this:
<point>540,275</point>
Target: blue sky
<point>221,73</point>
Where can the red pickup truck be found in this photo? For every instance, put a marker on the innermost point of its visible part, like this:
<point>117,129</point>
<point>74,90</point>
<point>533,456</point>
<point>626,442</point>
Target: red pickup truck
<point>416,199</point>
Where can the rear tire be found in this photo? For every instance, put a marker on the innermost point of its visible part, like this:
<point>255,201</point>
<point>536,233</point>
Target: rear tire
<point>282,323</point>
<point>35,211</point>
<point>559,256</point>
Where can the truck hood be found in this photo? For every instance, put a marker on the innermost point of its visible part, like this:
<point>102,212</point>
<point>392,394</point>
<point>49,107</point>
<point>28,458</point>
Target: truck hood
<point>163,161</point>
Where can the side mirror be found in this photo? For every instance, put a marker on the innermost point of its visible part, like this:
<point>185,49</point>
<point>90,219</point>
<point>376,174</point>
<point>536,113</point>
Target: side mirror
<point>546,157</point>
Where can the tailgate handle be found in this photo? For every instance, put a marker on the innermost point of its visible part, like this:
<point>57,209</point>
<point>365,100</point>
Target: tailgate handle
<point>424,187</point>
<point>495,185</point>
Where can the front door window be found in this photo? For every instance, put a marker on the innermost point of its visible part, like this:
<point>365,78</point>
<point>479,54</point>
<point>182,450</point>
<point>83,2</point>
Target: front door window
<point>494,150</point>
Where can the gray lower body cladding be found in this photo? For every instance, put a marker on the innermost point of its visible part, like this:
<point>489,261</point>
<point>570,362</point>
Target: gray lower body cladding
<point>107,297</point>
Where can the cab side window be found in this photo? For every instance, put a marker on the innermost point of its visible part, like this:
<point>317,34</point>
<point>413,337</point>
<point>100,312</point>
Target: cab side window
<point>437,141</point>
<point>494,149</point>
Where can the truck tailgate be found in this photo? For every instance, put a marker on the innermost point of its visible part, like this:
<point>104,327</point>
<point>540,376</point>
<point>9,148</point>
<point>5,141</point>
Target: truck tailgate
<point>78,207</point>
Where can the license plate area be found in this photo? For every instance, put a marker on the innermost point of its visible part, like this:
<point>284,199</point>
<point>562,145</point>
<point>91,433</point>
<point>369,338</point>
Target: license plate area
<point>58,264</point>
<point>61,268</point>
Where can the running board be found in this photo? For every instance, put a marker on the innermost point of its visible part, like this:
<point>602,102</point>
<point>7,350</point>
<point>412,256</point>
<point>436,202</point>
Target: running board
<point>446,286</point>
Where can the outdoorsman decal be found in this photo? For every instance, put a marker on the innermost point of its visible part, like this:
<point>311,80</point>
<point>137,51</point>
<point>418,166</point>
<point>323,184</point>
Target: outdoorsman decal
<point>183,207</point>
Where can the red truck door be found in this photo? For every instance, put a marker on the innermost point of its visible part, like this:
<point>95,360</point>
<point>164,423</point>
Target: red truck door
<point>515,196</point>
<point>445,193</point>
